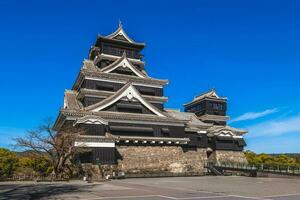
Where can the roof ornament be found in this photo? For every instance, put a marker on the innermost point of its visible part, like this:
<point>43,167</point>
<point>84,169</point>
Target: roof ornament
<point>120,32</point>
<point>129,96</point>
<point>120,24</point>
<point>124,55</point>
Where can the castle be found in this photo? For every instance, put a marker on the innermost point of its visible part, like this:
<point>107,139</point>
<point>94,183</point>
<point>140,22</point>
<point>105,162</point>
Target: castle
<point>127,126</point>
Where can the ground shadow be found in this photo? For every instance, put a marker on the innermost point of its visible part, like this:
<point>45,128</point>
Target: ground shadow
<point>38,191</point>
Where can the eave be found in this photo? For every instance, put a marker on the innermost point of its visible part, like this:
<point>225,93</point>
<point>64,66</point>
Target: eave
<point>124,117</point>
<point>111,77</point>
<point>134,139</point>
<point>204,98</point>
<point>83,92</point>
<point>213,118</point>
<point>59,121</point>
<point>136,45</point>
<point>217,130</point>
<point>113,58</point>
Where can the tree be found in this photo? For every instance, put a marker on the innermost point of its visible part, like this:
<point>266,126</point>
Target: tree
<point>58,146</point>
<point>271,160</point>
<point>38,163</point>
<point>8,163</point>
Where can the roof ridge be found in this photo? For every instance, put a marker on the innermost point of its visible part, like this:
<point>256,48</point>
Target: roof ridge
<point>120,31</point>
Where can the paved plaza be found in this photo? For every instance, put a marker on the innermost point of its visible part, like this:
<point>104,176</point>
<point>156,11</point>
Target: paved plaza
<point>176,188</point>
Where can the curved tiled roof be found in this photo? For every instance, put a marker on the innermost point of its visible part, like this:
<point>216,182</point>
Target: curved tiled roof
<point>215,130</point>
<point>212,94</point>
<point>120,32</point>
<point>123,62</point>
<point>192,119</point>
<point>107,115</point>
<point>70,100</point>
<point>104,94</point>
<point>131,93</point>
<point>84,72</point>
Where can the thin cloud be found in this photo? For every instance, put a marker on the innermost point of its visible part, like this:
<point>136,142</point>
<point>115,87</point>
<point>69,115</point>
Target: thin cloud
<point>253,115</point>
<point>275,127</point>
<point>8,133</point>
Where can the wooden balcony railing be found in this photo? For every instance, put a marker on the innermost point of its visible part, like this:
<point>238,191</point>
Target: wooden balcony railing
<point>119,52</point>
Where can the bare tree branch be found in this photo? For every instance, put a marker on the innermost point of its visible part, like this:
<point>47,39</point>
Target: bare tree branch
<point>59,146</point>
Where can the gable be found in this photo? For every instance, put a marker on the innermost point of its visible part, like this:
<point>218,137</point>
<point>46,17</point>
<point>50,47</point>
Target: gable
<point>124,64</point>
<point>90,119</point>
<point>130,94</point>
<point>120,37</point>
<point>213,94</point>
<point>128,107</point>
<point>124,70</point>
<point>120,34</point>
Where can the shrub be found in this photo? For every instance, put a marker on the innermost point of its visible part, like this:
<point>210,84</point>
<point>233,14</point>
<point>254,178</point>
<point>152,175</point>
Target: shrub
<point>8,163</point>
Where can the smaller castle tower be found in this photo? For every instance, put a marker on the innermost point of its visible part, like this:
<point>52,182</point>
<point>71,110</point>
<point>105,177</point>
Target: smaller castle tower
<point>209,108</point>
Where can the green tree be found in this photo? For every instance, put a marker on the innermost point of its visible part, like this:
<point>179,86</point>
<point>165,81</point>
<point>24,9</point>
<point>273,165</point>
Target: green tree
<point>297,160</point>
<point>8,163</point>
<point>271,160</point>
<point>252,158</point>
<point>37,163</point>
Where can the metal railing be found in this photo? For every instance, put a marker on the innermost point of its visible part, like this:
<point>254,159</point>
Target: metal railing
<point>163,174</point>
<point>279,169</point>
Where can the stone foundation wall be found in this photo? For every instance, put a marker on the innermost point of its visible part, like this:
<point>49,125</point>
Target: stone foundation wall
<point>160,159</point>
<point>222,156</point>
<point>92,172</point>
<point>97,172</point>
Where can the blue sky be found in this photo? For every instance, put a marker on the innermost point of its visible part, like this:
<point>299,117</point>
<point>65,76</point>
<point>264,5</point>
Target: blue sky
<point>247,50</point>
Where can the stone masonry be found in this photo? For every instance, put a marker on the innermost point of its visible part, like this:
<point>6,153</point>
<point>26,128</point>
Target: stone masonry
<point>222,156</point>
<point>160,159</point>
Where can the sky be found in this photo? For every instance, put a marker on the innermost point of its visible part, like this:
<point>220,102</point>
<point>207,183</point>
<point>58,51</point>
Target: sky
<point>247,50</point>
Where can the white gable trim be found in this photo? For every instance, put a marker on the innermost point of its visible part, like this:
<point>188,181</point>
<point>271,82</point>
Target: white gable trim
<point>225,133</point>
<point>120,31</point>
<point>213,94</point>
<point>126,64</point>
<point>131,93</point>
<point>90,120</point>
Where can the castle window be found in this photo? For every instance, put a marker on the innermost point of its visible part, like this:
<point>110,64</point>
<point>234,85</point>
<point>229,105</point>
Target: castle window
<point>216,106</point>
<point>129,108</point>
<point>165,132</point>
<point>220,106</point>
<point>105,87</point>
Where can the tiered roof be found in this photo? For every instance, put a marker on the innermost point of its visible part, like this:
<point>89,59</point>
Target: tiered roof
<point>193,123</point>
<point>130,93</point>
<point>90,71</point>
<point>124,63</point>
<point>96,113</point>
<point>211,94</point>
<point>104,94</point>
<point>121,36</point>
